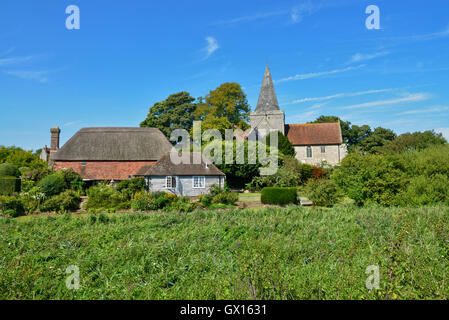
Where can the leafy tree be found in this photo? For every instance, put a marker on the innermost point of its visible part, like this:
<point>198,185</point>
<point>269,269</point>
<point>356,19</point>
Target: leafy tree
<point>377,139</point>
<point>175,112</point>
<point>229,102</point>
<point>21,158</point>
<point>9,170</point>
<point>414,141</point>
<point>284,145</point>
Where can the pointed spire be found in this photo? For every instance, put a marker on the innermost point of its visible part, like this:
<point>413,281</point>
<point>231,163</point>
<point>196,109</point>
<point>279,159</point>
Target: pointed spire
<point>267,97</point>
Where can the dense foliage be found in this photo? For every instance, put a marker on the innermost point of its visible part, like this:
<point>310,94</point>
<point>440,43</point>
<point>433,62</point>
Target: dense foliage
<point>274,195</point>
<point>9,185</point>
<point>322,192</point>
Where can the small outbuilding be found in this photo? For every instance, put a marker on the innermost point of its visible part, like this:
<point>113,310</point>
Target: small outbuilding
<point>184,179</point>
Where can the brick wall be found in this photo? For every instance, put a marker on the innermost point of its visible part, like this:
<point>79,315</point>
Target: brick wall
<point>103,170</point>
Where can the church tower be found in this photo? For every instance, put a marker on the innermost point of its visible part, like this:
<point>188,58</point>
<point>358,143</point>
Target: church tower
<point>267,115</point>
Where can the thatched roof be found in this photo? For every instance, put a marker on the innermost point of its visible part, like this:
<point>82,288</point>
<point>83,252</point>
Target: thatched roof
<point>165,167</point>
<point>313,134</point>
<point>114,144</point>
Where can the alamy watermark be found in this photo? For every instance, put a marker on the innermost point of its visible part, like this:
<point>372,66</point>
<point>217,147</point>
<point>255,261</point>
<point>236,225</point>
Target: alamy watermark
<point>373,280</point>
<point>73,280</point>
<point>72,22</point>
<point>373,20</point>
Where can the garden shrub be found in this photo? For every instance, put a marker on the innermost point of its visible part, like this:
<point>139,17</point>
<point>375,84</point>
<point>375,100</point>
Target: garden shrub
<point>103,196</point>
<point>72,179</point>
<point>12,206</point>
<point>322,192</point>
<point>226,198</point>
<point>9,185</point>
<point>423,191</point>
<point>146,201</point>
<point>9,170</point>
<point>66,201</point>
<point>275,195</point>
<point>53,184</point>
<point>131,187</point>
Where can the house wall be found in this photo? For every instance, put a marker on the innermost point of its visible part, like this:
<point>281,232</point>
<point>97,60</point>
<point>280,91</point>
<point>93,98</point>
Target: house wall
<point>103,170</point>
<point>184,185</point>
<point>333,155</point>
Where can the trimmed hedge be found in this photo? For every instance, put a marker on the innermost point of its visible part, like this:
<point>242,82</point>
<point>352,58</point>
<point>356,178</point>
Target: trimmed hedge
<point>9,170</point>
<point>11,206</point>
<point>274,195</point>
<point>9,185</point>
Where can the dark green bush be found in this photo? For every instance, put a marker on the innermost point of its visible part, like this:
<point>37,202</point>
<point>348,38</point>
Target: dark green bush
<point>9,170</point>
<point>9,185</point>
<point>102,196</point>
<point>12,206</point>
<point>67,201</point>
<point>72,179</point>
<point>275,195</point>
<point>322,192</point>
<point>53,184</point>
<point>146,201</point>
<point>131,187</point>
<point>424,191</point>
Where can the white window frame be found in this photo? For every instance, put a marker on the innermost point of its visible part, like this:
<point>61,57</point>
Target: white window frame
<point>171,179</point>
<point>323,149</point>
<point>200,178</point>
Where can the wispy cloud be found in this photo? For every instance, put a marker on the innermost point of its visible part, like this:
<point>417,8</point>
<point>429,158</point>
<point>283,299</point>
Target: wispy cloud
<point>339,95</point>
<point>358,57</point>
<point>307,8</point>
<point>212,46</point>
<point>318,74</point>
<point>427,110</point>
<point>419,37</point>
<point>40,76</point>
<point>14,60</point>
<point>408,98</point>
<point>253,17</point>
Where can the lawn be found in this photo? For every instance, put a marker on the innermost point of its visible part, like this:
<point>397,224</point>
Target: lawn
<point>249,197</point>
<point>271,253</point>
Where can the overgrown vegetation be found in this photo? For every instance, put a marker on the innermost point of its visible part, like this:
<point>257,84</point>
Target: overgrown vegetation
<point>282,196</point>
<point>272,253</point>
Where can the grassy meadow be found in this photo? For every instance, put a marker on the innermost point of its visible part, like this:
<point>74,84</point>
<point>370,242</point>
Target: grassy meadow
<point>269,253</point>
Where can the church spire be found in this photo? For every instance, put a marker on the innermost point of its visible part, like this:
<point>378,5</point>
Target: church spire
<point>267,97</point>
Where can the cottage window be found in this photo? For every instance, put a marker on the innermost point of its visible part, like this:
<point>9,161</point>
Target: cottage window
<point>323,149</point>
<point>199,181</point>
<point>309,152</point>
<point>170,182</point>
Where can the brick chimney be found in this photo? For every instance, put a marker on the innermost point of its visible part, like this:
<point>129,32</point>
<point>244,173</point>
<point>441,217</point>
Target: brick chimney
<point>55,131</point>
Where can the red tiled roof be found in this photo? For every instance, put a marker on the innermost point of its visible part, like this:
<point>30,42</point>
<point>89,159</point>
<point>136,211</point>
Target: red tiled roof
<point>313,133</point>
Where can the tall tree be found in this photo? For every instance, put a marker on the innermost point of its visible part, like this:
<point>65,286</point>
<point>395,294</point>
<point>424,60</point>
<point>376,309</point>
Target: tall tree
<point>175,112</point>
<point>414,141</point>
<point>227,103</point>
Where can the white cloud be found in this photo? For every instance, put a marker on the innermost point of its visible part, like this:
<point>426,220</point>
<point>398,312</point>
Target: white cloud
<point>408,98</point>
<point>339,95</point>
<point>418,111</point>
<point>444,132</point>
<point>212,46</point>
<point>256,16</point>
<point>30,75</point>
<point>318,74</point>
<point>14,60</point>
<point>364,57</point>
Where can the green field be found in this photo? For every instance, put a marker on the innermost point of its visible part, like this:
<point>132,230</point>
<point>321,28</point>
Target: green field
<point>270,253</point>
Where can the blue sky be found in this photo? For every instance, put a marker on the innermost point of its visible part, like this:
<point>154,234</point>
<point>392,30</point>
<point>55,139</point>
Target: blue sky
<point>127,55</point>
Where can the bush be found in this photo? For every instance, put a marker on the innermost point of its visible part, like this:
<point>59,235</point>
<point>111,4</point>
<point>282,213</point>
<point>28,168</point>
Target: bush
<point>226,198</point>
<point>53,184</point>
<point>322,192</point>
<point>131,187</point>
<point>274,195</point>
<point>145,201</point>
<point>12,206</point>
<point>422,191</point>
<point>9,185</point>
<point>72,179</point>
<point>67,201</point>
<point>9,170</point>
<point>102,196</point>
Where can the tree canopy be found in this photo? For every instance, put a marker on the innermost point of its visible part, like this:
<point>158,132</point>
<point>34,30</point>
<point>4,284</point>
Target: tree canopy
<point>175,112</point>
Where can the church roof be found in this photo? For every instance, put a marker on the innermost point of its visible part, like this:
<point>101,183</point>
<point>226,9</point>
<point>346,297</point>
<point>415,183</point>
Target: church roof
<point>114,144</point>
<point>314,134</point>
<point>267,97</point>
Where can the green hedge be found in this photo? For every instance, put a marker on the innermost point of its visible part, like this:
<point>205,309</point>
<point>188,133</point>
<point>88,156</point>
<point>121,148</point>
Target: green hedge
<point>273,195</point>
<point>9,185</point>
